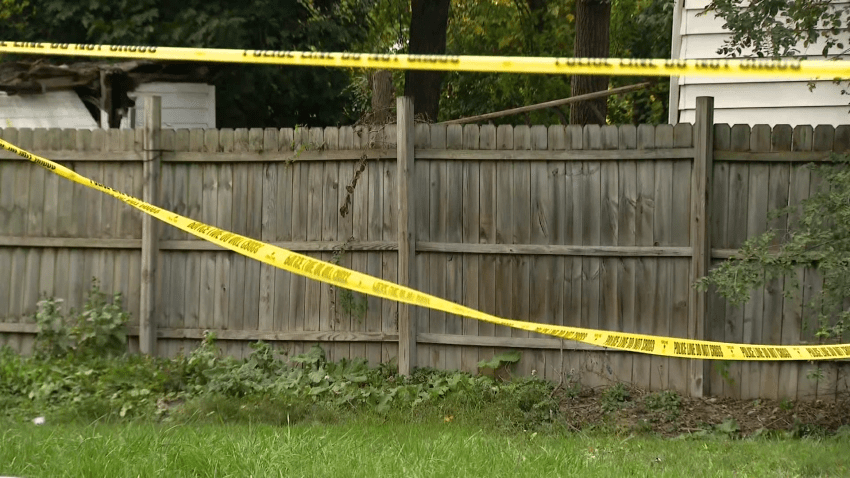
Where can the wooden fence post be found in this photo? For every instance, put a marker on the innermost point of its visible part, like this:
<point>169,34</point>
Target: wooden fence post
<point>150,250</point>
<point>701,176</point>
<point>406,232</point>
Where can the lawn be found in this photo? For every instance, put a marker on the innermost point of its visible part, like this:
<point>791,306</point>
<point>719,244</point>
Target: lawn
<point>369,448</point>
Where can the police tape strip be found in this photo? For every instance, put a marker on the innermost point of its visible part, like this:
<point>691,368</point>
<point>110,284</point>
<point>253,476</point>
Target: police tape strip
<point>359,282</point>
<point>751,67</point>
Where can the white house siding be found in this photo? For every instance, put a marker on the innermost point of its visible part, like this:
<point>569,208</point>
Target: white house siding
<point>766,100</point>
<point>55,109</point>
<point>184,105</point>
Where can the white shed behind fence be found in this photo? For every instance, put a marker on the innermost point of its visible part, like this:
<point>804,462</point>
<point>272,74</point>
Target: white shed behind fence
<point>54,109</point>
<point>184,105</point>
<point>766,100</point>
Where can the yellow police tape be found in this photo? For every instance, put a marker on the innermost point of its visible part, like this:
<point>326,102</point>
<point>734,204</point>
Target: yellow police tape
<point>359,282</point>
<point>749,67</point>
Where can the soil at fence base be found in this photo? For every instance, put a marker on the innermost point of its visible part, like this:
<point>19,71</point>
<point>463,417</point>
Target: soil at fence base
<point>594,409</point>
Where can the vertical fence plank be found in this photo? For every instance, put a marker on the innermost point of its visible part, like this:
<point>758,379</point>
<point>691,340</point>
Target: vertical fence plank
<point>194,206</point>
<point>347,171</point>
<point>793,307</point>
<point>827,382</point>
<point>438,218</point>
<point>544,287</point>
<point>487,220</point>
<point>80,205</point>
<point>177,261</point>
<point>756,224</point>
<point>778,193</point>
<point>623,363</point>
<point>224,213</point>
<point>7,212</point>
<point>663,236</point>
<point>591,193</point>
<point>300,211</point>
<point>504,225</point>
<point>609,300</point>
<point>422,173</point>
<point>148,303</point>
<point>268,274</point>
<point>405,185</point>
<point>316,176</point>
<point>700,239</point>
<point>573,266</point>
<point>51,188</point>
<point>471,235</point>
<point>454,234</point>
<point>645,274</point>
<point>255,179</point>
<point>335,227</point>
<point>209,208</point>
<point>679,369</point>
<point>739,180</point>
<point>374,322</point>
<point>716,309</point>
<point>330,223</point>
<point>557,211</point>
<point>520,264</point>
<point>389,260</point>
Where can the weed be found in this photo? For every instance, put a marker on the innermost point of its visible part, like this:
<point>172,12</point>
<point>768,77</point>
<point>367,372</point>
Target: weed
<point>98,330</point>
<point>500,365</point>
<point>613,398</point>
<point>729,428</point>
<point>815,374</point>
<point>354,303</point>
<point>667,403</point>
<point>722,368</point>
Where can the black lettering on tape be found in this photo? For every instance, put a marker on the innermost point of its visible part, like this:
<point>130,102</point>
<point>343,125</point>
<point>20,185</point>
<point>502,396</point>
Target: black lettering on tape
<point>28,44</point>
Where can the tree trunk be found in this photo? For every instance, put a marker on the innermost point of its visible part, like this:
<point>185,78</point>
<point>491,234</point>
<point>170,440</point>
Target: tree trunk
<point>383,96</point>
<point>593,19</point>
<point>428,22</point>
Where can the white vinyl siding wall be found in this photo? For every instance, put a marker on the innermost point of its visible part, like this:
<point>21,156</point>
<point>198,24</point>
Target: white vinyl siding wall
<point>184,105</point>
<point>767,100</point>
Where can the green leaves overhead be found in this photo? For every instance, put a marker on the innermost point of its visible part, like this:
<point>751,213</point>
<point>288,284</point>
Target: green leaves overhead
<point>247,95</point>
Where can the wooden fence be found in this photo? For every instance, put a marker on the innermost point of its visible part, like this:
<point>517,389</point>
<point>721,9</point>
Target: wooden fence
<point>599,227</point>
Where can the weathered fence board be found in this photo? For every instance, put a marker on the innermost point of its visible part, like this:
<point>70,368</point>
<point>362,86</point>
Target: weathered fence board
<point>561,225</point>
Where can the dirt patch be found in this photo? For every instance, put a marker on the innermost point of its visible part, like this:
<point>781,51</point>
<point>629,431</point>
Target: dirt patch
<point>629,410</point>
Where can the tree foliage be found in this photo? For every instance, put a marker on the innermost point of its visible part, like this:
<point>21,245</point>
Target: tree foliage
<point>818,237</point>
<point>506,28</point>
<point>247,95</point>
<point>640,29</point>
<point>776,28</point>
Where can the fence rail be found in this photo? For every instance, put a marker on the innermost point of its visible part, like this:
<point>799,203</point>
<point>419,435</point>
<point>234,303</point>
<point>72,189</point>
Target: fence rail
<point>599,227</point>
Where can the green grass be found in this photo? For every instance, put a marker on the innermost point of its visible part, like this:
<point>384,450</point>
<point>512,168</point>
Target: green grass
<point>368,448</point>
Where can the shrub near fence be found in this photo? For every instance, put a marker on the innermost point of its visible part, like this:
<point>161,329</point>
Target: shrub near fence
<point>593,227</point>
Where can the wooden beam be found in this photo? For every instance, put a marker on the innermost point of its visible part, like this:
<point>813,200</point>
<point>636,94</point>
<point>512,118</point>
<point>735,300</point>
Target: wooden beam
<point>537,342</point>
<point>69,242</point>
<point>554,250</point>
<point>421,154</point>
<point>556,155</point>
<point>196,157</point>
<point>150,226</point>
<point>700,237</point>
<point>773,157</point>
<point>406,232</point>
<point>541,342</point>
<point>550,104</point>
<point>365,246</point>
<point>269,335</point>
